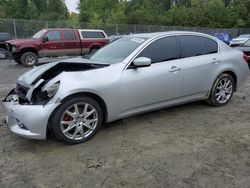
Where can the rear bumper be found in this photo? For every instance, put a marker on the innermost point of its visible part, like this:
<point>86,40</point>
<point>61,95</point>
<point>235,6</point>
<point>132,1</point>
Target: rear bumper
<point>29,121</point>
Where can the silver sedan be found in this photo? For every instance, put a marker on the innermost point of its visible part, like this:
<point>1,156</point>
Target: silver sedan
<point>135,74</point>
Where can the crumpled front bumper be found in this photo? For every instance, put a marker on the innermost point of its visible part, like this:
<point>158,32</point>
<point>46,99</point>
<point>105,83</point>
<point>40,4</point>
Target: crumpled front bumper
<point>29,121</point>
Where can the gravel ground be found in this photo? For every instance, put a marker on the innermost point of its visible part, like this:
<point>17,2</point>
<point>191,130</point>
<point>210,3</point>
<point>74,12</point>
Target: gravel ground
<point>192,145</point>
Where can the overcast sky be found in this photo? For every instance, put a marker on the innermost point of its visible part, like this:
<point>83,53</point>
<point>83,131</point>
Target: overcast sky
<point>72,5</point>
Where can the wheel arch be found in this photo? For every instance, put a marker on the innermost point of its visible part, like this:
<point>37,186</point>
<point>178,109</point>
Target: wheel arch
<point>94,96</point>
<point>95,46</point>
<point>231,73</point>
<point>29,49</point>
<point>234,76</point>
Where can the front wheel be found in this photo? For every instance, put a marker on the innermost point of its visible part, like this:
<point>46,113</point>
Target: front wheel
<point>77,120</point>
<point>29,59</point>
<point>3,53</point>
<point>222,90</point>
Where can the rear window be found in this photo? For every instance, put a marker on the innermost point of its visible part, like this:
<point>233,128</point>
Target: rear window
<point>69,35</point>
<point>92,34</point>
<point>196,45</point>
<point>212,46</point>
<point>193,46</point>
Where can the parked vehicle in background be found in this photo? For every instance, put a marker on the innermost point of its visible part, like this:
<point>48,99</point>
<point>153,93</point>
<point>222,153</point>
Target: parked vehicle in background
<point>135,74</point>
<point>225,37</point>
<point>56,42</point>
<point>239,40</point>
<point>113,38</point>
<point>245,48</point>
<point>3,47</point>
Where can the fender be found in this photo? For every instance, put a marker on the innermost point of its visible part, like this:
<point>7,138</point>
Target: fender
<point>32,48</point>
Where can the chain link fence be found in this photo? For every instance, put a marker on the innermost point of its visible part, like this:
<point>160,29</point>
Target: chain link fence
<point>26,28</point>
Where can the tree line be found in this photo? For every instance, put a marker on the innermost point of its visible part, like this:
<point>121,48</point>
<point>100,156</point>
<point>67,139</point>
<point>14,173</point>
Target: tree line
<point>196,13</point>
<point>34,9</point>
<point>202,13</point>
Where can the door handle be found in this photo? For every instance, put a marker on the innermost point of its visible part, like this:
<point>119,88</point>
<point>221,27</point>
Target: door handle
<point>174,69</point>
<point>215,61</point>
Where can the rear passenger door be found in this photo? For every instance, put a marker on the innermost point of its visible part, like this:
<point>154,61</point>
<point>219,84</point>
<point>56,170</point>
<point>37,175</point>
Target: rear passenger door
<point>71,45</point>
<point>199,59</point>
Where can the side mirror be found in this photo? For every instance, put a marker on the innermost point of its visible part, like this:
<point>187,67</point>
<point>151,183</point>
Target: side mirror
<point>142,62</point>
<point>45,39</point>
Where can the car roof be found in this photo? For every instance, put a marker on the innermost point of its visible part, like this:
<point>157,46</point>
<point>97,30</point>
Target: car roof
<point>159,34</point>
<point>96,30</point>
<point>58,29</point>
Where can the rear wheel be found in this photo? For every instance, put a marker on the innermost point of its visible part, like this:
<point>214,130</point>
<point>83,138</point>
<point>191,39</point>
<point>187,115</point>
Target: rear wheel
<point>29,59</point>
<point>222,90</point>
<point>94,50</point>
<point>77,120</point>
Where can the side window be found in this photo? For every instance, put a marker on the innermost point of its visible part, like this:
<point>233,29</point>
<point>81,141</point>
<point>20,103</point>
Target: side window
<point>247,43</point>
<point>164,49</point>
<point>69,35</point>
<point>212,46</point>
<point>92,34</point>
<point>193,46</point>
<point>54,35</point>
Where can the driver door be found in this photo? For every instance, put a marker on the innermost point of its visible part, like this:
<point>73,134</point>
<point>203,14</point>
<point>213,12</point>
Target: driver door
<point>54,46</point>
<point>158,85</point>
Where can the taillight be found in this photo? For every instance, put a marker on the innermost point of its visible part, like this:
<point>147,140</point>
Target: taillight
<point>245,57</point>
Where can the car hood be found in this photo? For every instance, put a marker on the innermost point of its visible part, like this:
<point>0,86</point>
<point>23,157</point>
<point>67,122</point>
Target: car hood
<point>50,70</point>
<point>20,41</point>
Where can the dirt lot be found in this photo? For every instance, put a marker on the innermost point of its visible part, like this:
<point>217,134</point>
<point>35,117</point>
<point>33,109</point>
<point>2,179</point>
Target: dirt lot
<point>193,145</point>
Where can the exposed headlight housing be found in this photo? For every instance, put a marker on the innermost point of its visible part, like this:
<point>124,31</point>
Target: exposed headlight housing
<point>51,90</point>
<point>14,48</point>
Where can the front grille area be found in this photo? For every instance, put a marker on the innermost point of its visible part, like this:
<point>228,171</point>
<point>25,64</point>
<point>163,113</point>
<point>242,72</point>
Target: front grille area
<point>21,91</point>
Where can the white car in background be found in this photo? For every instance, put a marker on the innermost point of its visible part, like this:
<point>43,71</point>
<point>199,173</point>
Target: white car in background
<point>240,40</point>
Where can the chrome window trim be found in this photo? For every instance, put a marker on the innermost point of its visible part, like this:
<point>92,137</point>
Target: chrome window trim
<point>149,41</point>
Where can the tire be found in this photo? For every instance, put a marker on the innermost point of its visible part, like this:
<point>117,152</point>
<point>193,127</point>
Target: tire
<point>94,50</point>
<point>71,127</point>
<point>3,53</point>
<point>222,90</point>
<point>17,58</point>
<point>29,59</point>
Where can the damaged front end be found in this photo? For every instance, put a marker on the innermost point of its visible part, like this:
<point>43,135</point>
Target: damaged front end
<point>27,119</point>
<point>28,106</point>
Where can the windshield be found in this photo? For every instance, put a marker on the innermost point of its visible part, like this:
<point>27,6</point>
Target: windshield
<point>39,34</point>
<point>244,36</point>
<point>117,51</point>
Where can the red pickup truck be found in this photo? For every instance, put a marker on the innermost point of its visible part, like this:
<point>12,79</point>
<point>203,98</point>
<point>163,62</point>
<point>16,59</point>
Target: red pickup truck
<point>56,42</point>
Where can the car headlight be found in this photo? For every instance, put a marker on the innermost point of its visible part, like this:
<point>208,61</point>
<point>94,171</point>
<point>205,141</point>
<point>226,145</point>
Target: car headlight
<point>51,90</point>
<point>13,48</point>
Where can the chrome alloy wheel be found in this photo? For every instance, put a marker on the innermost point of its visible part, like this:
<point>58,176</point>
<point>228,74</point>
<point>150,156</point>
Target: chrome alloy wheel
<point>79,121</point>
<point>30,60</point>
<point>224,90</point>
